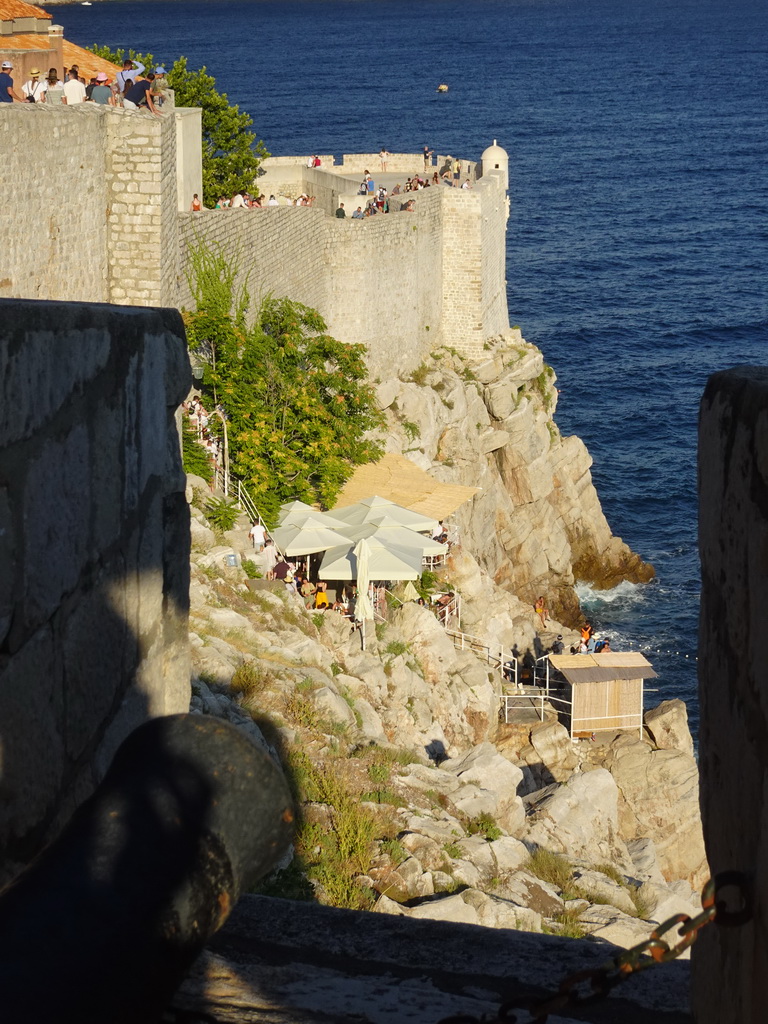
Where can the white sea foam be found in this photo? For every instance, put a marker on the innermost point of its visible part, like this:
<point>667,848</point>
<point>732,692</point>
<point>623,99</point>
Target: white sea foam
<point>625,593</point>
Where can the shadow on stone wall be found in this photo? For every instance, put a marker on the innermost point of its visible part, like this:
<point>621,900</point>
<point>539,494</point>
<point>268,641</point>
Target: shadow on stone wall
<point>94,551</point>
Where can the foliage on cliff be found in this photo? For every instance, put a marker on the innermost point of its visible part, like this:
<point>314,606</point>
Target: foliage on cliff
<point>297,401</point>
<point>231,153</point>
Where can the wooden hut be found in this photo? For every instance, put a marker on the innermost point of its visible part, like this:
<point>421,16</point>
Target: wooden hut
<point>606,689</point>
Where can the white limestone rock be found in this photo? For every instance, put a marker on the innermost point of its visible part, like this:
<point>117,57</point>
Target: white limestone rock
<point>446,908</point>
<point>580,819</point>
<point>668,726</point>
<point>554,748</point>
<point>489,785</point>
<point>604,922</point>
<point>645,862</point>
<point>332,706</point>
<point>599,888</point>
<point>509,854</point>
<point>202,537</point>
<point>524,889</point>
<point>660,801</point>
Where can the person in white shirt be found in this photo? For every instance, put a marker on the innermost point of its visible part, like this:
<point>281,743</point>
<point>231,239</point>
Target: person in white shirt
<point>74,90</point>
<point>272,201</point>
<point>257,533</point>
<point>34,90</point>
<point>237,201</point>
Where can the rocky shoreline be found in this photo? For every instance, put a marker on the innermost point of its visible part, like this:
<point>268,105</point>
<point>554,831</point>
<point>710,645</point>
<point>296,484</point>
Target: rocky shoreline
<point>456,836</point>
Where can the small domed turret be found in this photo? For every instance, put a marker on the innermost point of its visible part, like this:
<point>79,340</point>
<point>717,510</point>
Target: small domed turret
<point>495,158</point>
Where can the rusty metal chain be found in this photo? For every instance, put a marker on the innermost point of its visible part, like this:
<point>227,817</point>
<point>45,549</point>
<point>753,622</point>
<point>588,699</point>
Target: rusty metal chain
<point>589,986</point>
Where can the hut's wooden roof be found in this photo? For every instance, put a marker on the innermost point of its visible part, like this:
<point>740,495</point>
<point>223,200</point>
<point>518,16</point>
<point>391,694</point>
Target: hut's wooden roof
<point>598,668</point>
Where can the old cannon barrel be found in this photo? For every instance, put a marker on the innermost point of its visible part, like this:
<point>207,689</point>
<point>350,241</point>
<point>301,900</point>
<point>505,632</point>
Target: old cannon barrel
<point>104,924</point>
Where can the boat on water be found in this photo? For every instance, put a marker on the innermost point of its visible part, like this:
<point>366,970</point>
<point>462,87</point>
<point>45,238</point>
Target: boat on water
<point>442,87</point>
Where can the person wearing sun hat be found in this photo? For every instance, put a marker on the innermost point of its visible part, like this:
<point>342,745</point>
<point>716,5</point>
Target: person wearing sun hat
<point>101,92</point>
<point>34,90</point>
<point>7,92</point>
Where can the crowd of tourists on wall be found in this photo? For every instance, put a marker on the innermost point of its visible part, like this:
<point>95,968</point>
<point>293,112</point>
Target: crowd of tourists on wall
<point>131,88</point>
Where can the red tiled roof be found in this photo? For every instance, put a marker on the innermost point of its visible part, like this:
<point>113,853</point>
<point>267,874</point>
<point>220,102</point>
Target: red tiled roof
<point>11,9</point>
<point>25,41</point>
<point>88,64</point>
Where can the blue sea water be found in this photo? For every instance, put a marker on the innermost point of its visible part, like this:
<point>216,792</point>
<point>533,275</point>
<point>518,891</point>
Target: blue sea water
<point>637,243</point>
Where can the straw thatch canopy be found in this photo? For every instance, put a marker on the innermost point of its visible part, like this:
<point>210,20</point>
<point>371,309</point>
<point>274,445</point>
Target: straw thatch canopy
<point>599,668</point>
<point>397,478</point>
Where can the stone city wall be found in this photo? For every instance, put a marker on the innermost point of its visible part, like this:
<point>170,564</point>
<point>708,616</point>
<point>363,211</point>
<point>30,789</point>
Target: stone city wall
<point>282,250</point>
<point>92,203</point>
<point>402,284</point>
<point>52,219</point>
<point>94,550</point>
<point>376,281</point>
<point>103,223</point>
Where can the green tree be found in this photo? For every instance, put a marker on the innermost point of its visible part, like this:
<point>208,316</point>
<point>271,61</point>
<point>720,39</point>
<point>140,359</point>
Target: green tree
<point>231,152</point>
<point>298,402</point>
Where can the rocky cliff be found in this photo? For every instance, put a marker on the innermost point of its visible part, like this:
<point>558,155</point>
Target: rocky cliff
<point>537,526</point>
<point>416,799</point>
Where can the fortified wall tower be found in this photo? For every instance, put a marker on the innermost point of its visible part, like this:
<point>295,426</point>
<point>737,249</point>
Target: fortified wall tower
<point>109,221</point>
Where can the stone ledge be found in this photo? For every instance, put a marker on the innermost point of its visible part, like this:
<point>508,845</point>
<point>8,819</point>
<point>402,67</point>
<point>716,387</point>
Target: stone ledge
<point>299,962</point>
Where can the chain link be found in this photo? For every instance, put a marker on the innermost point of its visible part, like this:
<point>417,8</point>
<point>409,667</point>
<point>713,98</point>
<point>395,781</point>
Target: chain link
<point>585,987</point>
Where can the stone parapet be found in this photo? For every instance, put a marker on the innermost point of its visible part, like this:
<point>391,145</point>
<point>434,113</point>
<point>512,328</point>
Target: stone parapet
<point>94,550</point>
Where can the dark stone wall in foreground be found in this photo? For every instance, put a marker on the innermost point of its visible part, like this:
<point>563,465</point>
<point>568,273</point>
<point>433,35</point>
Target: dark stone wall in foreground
<point>94,550</point>
<point>730,965</point>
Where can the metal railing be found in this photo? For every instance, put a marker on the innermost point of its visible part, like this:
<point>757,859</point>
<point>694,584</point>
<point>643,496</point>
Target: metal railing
<point>247,504</point>
<point>492,653</point>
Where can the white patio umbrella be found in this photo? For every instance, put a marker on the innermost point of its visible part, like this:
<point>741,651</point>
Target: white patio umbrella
<point>385,562</point>
<point>370,509</point>
<point>390,531</point>
<point>410,593</point>
<point>293,506</point>
<point>312,535</point>
<point>363,606</point>
<point>299,516</point>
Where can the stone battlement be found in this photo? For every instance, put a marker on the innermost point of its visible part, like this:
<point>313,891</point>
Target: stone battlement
<point>109,221</point>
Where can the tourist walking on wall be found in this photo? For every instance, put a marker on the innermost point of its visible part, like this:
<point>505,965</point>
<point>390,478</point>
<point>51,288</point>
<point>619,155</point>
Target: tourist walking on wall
<point>101,92</point>
<point>74,90</point>
<point>34,89</point>
<point>341,213</point>
<point>158,87</point>
<point>140,95</point>
<point>427,157</point>
<point>54,92</point>
<point>456,173</point>
<point>383,156</point>
<point>131,71</point>
<point>7,93</point>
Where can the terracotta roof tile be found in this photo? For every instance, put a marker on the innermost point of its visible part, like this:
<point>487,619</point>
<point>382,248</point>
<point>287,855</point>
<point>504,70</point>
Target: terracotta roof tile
<point>88,63</point>
<point>25,41</point>
<point>11,9</point>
